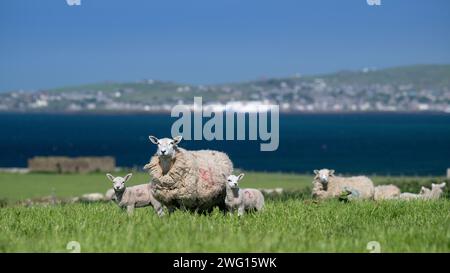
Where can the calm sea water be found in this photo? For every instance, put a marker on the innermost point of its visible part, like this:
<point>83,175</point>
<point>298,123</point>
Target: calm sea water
<point>408,144</point>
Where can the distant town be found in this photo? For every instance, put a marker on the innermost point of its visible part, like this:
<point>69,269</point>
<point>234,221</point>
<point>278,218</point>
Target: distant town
<point>418,88</point>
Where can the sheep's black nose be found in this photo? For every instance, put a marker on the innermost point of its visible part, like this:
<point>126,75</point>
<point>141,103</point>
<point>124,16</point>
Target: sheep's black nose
<point>163,151</point>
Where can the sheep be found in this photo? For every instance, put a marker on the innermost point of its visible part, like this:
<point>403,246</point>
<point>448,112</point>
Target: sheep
<point>133,197</point>
<point>385,192</point>
<point>190,180</point>
<point>327,185</point>
<point>423,194</point>
<point>242,199</point>
<point>91,197</point>
<point>435,192</point>
<point>110,195</point>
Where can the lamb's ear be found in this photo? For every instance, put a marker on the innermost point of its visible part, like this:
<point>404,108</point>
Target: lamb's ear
<point>110,177</point>
<point>442,184</point>
<point>331,172</point>
<point>240,176</point>
<point>224,176</point>
<point>316,172</point>
<point>127,177</point>
<point>153,139</point>
<point>177,139</point>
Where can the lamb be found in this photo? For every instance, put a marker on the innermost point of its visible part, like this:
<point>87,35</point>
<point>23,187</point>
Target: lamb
<point>133,197</point>
<point>385,192</point>
<point>425,193</point>
<point>435,192</point>
<point>190,180</point>
<point>327,185</point>
<point>242,199</point>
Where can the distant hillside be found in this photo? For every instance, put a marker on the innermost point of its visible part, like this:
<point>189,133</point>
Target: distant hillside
<point>408,88</point>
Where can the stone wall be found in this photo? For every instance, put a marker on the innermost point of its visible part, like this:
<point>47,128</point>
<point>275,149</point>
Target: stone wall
<point>62,164</point>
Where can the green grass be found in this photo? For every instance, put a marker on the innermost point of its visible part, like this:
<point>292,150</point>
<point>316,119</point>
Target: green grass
<point>289,224</point>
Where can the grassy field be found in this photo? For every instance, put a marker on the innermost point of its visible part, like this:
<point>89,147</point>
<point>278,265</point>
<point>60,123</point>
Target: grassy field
<point>292,223</point>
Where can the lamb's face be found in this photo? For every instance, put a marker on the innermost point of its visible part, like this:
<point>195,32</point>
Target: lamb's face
<point>437,187</point>
<point>424,190</point>
<point>323,175</point>
<point>166,146</point>
<point>233,180</point>
<point>118,181</point>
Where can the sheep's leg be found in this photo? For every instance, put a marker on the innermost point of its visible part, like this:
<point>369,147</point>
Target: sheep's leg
<point>130,209</point>
<point>231,212</point>
<point>241,211</point>
<point>159,210</point>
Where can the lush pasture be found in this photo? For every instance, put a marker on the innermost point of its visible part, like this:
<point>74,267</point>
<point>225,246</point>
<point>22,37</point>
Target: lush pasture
<point>292,223</point>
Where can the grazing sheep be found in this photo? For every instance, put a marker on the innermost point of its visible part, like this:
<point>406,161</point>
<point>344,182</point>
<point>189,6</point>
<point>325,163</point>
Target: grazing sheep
<point>435,192</point>
<point>133,197</point>
<point>327,185</point>
<point>385,192</point>
<point>242,199</point>
<point>188,179</point>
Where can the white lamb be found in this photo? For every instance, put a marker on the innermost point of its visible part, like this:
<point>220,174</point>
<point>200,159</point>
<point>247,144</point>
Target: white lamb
<point>242,199</point>
<point>435,192</point>
<point>424,193</point>
<point>133,197</point>
<point>327,185</point>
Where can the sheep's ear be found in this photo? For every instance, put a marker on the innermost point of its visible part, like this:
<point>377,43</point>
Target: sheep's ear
<point>110,177</point>
<point>127,177</point>
<point>331,172</point>
<point>240,176</point>
<point>442,184</point>
<point>177,139</point>
<point>433,185</point>
<point>153,139</point>
<point>224,176</point>
<point>316,172</point>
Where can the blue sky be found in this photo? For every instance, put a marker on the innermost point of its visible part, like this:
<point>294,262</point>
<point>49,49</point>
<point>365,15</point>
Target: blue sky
<point>47,43</point>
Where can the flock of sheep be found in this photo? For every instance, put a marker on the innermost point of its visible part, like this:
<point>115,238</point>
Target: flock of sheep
<point>327,185</point>
<point>202,180</point>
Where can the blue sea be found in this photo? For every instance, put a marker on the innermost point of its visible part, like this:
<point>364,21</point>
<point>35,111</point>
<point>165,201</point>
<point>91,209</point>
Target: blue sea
<point>387,144</point>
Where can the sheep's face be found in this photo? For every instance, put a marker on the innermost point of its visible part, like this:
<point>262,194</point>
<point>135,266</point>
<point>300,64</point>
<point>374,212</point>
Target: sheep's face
<point>119,182</point>
<point>424,190</point>
<point>167,147</point>
<point>437,187</point>
<point>323,175</point>
<point>233,180</point>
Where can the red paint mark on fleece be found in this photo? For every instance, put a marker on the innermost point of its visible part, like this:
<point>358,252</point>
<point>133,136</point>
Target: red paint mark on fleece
<point>205,175</point>
<point>249,194</point>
